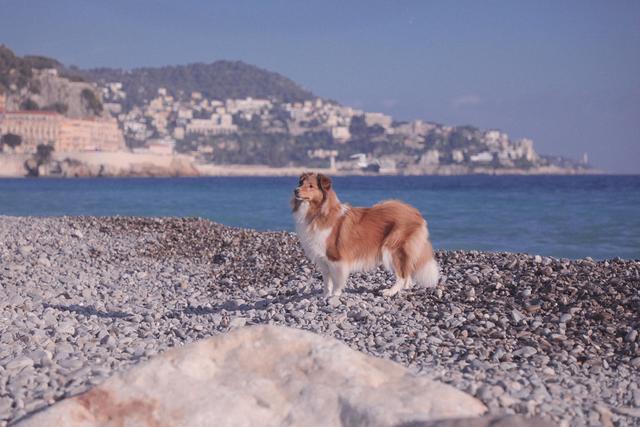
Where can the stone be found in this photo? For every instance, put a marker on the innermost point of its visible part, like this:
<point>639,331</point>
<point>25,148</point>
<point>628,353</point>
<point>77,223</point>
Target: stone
<point>487,421</point>
<point>25,250</point>
<point>525,351</point>
<point>605,415</point>
<point>630,412</point>
<point>263,375</point>
<point>19,363</point>
<point>631,336</point>
<point>474,280</point>
<point>565,318</point>
<point>66,328</point>
<point>334,301</point>
<point>120,288</point>
<point>71,363</point>
<point>44,262</point>
<point>237,322</point>
<point>5,405</point>
<point>517,316</point>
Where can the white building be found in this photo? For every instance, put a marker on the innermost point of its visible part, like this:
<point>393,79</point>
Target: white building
<point>372,119</point>
<point>178,133</point>
<point>430,158</point>
<point>484,157</point>
<point>457,155</point>
<point>340,133</point>
<point>185,113</point>
<point>248,105</point>
<point>217,124</point>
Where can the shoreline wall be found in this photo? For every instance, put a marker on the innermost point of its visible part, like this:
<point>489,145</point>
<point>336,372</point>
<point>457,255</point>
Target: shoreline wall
<point>12,165</point>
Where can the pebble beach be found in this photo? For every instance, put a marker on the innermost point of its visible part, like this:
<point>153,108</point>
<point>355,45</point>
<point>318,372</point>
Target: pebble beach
<point>84,297</point>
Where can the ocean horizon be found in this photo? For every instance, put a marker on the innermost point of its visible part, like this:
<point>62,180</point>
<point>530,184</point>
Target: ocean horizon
<point>595,216</point>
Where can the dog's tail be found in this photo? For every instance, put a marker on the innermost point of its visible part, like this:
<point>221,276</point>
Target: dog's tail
<point>427,274</point>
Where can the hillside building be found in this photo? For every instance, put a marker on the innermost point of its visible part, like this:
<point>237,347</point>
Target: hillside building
<point>217,124</point>
<point>63,133</point>
<point>372,119</point>
<point>340,133</point>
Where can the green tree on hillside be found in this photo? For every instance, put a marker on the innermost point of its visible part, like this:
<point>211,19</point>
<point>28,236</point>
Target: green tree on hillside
<point>58,107</point>
<point>43,153</point>
<point>11,140</point>
<point>29,105</point>
<point>93,103</point>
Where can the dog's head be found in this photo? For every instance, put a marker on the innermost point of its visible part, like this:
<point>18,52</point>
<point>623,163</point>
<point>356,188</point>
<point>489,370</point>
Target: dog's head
<point>312,188</point>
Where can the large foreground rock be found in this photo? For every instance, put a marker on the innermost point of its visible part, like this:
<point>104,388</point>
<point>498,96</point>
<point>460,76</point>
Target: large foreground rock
<point>266,376</point>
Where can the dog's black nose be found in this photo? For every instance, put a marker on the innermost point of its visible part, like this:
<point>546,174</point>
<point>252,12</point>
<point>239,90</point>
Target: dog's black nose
<point>296,191</point>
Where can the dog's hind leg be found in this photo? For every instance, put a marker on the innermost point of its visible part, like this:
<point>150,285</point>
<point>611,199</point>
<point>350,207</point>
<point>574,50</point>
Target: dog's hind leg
<point>397,287</point>
<point>400,261</point>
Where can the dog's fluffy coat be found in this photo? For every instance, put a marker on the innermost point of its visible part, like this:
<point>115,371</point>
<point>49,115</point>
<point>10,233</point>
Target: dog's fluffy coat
<point>341,239</point>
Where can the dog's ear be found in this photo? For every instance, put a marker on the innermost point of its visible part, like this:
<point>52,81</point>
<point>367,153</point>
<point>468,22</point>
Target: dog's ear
<point>302,178</point>
<point>324,182</point>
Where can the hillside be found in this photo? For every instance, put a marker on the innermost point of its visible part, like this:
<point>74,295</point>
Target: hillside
<point>44,84</point>
<point>16,71</point>
<point>247,115</point>
<point>218,80</point>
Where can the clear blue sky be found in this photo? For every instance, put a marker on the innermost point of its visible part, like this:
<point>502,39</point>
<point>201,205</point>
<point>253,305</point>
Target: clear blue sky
<point>564,73</point>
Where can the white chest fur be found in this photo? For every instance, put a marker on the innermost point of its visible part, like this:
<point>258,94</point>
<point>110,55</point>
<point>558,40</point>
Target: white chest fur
<point>313,241</point>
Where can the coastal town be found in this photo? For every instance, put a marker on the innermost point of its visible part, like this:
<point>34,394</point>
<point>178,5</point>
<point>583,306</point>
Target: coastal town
<point>95,129</point>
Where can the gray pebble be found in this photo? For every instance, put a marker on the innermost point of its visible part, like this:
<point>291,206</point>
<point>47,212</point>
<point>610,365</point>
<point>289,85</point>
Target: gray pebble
<point>565,318</point>
<point>114,295</point>
<point>66,328</point>
<point>334,301</point>
<point>526,351</point>
<point>19,363</point>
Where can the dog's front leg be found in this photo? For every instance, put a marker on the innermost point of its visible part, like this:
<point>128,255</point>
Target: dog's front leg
<point>339,275</point>
<point>326,279</point>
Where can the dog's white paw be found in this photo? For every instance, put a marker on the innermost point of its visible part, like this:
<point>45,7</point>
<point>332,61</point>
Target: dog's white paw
<point>389,292</point>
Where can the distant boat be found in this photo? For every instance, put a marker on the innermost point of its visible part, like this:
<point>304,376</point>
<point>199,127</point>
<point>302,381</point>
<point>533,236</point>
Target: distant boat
<point>364,165</point>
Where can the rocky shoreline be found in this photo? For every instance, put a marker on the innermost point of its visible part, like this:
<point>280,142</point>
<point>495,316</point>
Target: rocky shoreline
<point>82,298</point>
<point>128,164</point>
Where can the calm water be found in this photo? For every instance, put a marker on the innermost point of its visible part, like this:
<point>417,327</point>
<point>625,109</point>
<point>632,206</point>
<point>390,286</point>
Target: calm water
<point>573,217</point>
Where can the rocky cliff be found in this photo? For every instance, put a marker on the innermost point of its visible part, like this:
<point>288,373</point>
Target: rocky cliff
<point>39,83</point>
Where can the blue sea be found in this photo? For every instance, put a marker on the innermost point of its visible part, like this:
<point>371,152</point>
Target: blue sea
<point>560,216</point>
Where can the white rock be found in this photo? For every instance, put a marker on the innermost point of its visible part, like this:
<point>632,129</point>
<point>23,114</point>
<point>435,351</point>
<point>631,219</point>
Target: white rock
<point>66,328</point>
<point>44,261</point>
<point>262,375</point>
<point>237,322</point>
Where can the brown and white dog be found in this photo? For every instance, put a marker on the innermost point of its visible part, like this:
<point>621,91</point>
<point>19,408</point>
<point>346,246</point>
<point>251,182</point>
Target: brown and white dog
<point>341,239</point>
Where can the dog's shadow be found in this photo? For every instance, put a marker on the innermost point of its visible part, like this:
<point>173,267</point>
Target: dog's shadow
<point>88,310</point>
<point>289,297</point>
